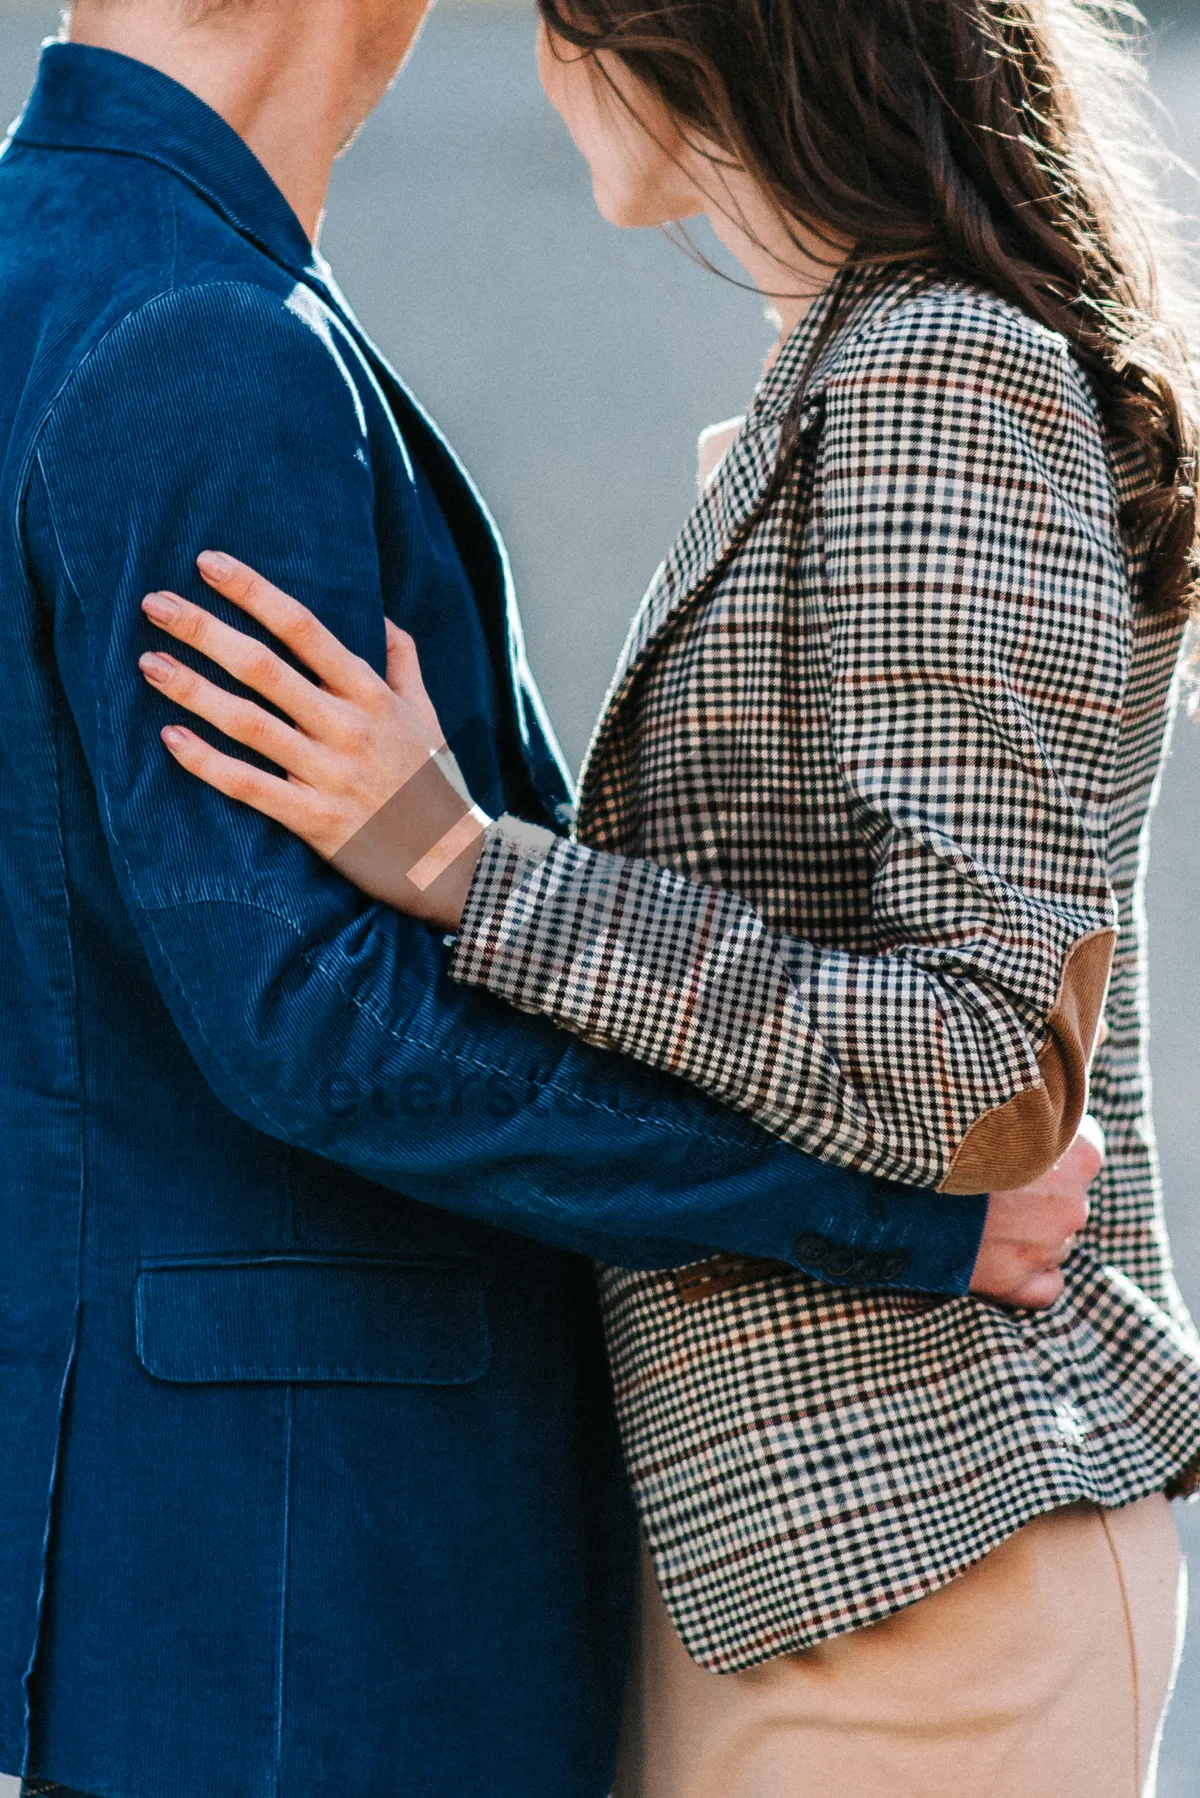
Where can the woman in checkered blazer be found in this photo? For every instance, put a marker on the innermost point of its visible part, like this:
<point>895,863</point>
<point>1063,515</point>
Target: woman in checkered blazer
<point>859,850</point>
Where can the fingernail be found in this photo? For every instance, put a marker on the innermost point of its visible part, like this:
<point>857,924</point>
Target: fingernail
<point>213,561</point>
<point>160,606</point>
<point>154,667</point>
<point>174,737</point>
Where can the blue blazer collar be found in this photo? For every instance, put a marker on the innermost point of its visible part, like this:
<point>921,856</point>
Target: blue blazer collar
<point>89,99</point>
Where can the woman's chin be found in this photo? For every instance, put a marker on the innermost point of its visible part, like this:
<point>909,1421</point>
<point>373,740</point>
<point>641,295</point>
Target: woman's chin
<point>631,211</point>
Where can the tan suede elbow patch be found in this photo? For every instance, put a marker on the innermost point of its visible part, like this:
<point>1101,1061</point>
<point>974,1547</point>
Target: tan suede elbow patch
<point>1016,1142</point>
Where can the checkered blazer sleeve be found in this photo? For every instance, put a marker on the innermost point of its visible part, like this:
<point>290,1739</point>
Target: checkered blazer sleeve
<point>973,616</point>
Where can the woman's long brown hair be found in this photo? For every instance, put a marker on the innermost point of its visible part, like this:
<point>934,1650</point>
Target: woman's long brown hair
<point>987,139</point>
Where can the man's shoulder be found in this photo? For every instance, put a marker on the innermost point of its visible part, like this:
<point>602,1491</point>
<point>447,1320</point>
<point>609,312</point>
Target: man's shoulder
<point>159,305</point>
<point>206,316</point>
<point>87,240</point>
<point>209,353</point>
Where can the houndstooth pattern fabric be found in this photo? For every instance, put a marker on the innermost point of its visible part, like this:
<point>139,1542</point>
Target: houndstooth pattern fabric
<point>873,765</point>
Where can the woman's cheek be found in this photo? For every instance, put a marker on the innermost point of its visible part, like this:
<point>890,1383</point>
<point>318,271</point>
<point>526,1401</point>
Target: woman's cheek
<point>634,181</point>
<point>622,192</point>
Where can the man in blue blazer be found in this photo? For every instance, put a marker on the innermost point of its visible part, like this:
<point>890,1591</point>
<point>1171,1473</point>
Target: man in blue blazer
<point>311,1483</point>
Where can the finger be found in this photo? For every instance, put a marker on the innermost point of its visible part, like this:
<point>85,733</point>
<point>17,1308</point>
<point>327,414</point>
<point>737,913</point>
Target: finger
<point>249,661</point>
<point>1074,1213</point>
<point>240,719</point>
<point>1062,1254</point>
<point>1066,1212</point>
<point>1055,1206</point>
<point>308,639</point>
<point>1039,1233</point>
<point>1040,1291</point>
<point>406,682</point>
<point>1007,1282</point>
<point>291,805</point>
<point>1088,1150</point>
<point>1079,1164</point>
<point>1047,1249</point>
<point>402,659</point>
<point>1092,1130</point>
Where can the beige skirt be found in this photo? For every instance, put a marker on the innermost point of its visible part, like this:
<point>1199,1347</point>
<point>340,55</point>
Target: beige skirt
<point>1045,1669</point>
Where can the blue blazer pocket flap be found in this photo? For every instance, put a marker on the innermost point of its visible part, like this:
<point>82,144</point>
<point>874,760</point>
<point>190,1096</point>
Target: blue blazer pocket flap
<point>288,1318</point>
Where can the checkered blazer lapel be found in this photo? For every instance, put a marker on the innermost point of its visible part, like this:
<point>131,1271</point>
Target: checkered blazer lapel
<point>706,540</point>
<point>716,527</point>
<point>690,572</point>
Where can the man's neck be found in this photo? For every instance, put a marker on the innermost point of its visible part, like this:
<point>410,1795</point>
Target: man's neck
<point>282,73</point>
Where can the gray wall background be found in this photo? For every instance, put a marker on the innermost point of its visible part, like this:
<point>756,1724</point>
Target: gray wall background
<point>573,365</point>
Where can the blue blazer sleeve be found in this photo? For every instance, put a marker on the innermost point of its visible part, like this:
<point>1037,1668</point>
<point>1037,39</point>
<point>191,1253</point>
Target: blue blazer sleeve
<point>227,416</point>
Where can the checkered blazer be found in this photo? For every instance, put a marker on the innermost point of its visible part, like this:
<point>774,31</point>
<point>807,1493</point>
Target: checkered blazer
<point>859,851</point>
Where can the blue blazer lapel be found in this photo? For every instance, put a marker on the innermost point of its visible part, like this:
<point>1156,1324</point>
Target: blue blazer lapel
<point>535,771</point>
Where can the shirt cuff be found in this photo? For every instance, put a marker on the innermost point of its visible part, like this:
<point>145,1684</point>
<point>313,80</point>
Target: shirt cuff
<point>512,851</point>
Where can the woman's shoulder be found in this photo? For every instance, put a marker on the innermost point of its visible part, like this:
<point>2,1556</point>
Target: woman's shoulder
<point>948,346</point>
<point>961,380</point>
